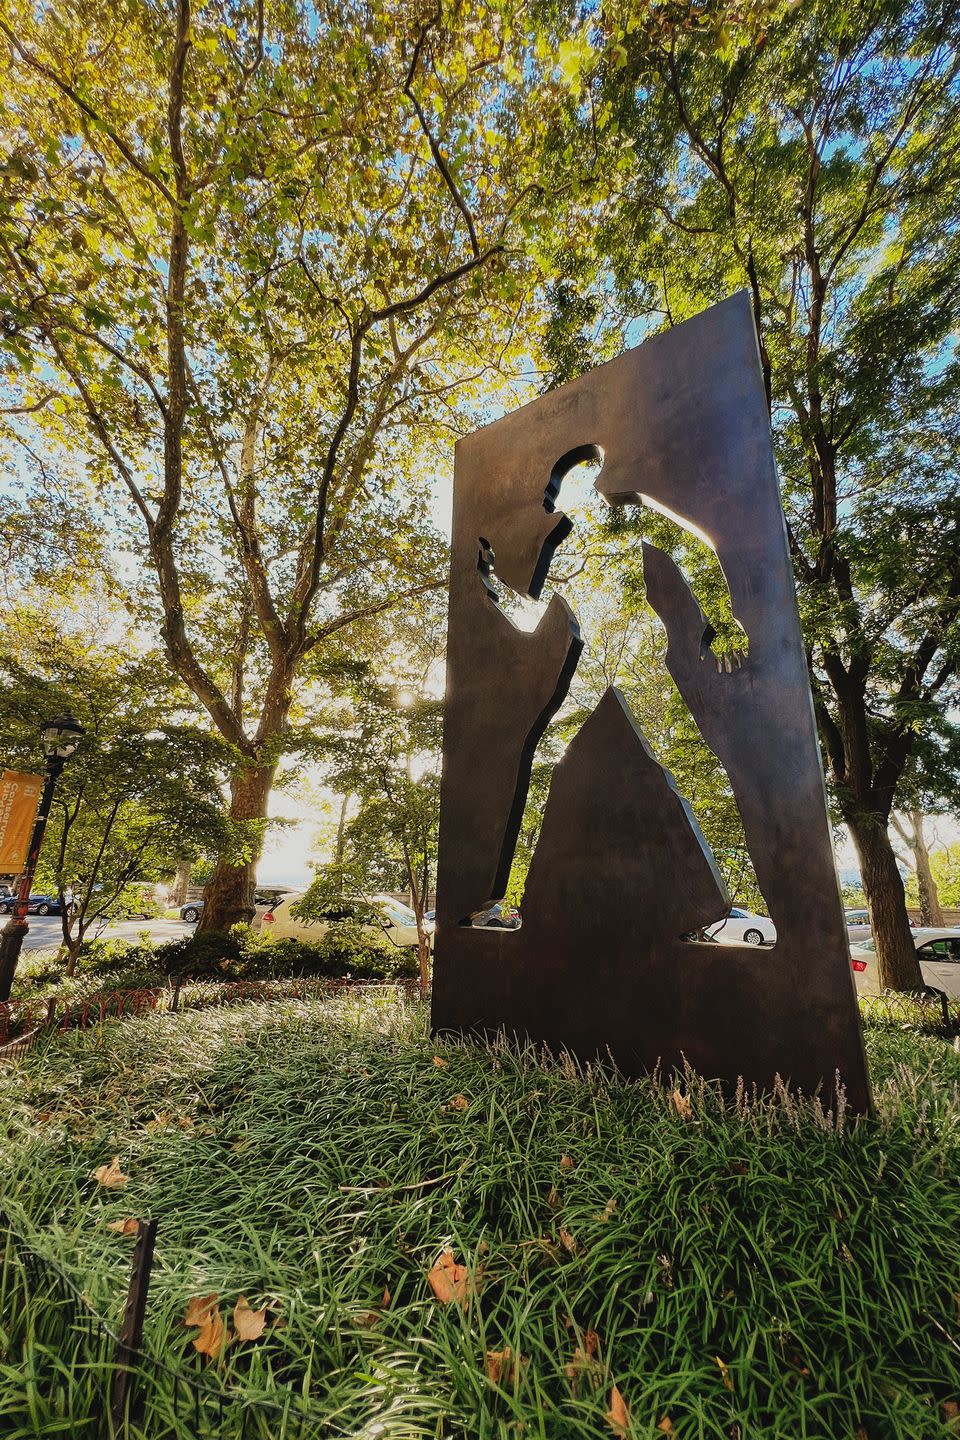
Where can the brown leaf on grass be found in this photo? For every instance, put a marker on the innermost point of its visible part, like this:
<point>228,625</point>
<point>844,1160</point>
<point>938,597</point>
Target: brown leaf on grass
<point>110,1175</point>
<point>553,1197</point>
<point>212,1337</point>
<point>737,1167</point>
<point>440,1063</point>
<point>860,1434</point>
<point>387,1297</point>
<point>951,1411</point>
<point>618,1416</point>
<point>44,1117</point>
<point>682,1105</point>
<point>724,1372</point>
<point>566,1162</point>
<point>666,1426</point>
<point>248,1323</point>
<point>126,1226</point>
<point>584,1364</point>
<point>568,1241</point>
<point>370,1320</point>
<point>459,1102</point>
<point>502,1366</point>
<point>451,1281</point>
<point>608,1212</point>
<point>198,1309</point>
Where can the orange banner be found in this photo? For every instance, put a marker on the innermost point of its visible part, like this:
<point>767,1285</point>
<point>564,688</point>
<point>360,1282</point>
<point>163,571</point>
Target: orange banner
<point>19,798</point>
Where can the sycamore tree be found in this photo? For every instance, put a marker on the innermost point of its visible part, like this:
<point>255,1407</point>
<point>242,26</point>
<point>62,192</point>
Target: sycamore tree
<point>811,154</point>
<point>143,786</point>
<point>259,260</point>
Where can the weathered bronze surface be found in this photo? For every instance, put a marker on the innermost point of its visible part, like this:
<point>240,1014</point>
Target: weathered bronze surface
<point>621,872</point>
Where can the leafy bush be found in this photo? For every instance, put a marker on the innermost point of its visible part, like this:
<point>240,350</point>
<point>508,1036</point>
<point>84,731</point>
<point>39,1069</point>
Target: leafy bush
<point>345,949</point>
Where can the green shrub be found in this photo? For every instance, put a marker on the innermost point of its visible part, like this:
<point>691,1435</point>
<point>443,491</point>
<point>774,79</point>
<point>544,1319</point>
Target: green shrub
<point>345,949</point>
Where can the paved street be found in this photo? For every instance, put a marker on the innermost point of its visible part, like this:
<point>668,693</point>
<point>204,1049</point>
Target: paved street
<point>45,931</point>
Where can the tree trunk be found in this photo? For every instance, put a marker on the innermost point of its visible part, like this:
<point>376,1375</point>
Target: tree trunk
<point>181,884</point>
<point>896,955</point>
<point>228,895</point>
<point>340,846</point>
<point>930,911</point>
<point>73,955</point>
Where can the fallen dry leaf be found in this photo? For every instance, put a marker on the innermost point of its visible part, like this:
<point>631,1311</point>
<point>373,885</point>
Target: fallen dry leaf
<point>682,1105</point>
<point>618,1416</point>
<point>439,1061</point>
<point>951,1410</point>
<point>666,1426</point>
<point>724,1372</point>
<point>370,1320</point>
<point>568,1241</point>
<point>553,1197</point>
<point>212,1338</point>
<point>44,1117</point>
<point>502,1366</point>
<point>127,1226</point>
<point>860,1434</point>
<point>110,1175</point>
<point>459,1102</point>
<point>451,1281</point>
<point>584,1362</point>
<point>246,1322</point>
<point>198,1308</point>
<point>387,1297</point>
<point>566,1162</point>
<point>608,1211</point>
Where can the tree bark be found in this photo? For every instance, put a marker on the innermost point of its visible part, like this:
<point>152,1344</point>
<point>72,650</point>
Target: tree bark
<point>931,912</point>
<point>228,895</point>
<point>896,954</point>
<point>73,954</point>
<point>181,883</point>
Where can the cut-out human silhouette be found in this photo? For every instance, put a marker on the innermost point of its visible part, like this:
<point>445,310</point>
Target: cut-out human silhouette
<point>682,423</point>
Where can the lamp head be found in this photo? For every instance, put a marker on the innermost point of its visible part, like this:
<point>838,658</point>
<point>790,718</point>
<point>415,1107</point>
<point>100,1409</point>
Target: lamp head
<point>61,736</point>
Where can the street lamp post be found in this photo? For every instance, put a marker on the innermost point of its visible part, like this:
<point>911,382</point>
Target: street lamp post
<point>60,737</point>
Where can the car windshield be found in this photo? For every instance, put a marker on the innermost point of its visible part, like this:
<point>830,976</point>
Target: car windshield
<point>395,910</point>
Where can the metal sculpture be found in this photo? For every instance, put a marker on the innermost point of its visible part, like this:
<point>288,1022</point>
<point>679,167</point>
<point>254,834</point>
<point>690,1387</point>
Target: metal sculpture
<point>603,962</point>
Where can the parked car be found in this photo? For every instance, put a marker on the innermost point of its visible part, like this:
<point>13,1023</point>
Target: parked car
<point>858,924</point>
<point>939,954</point>
<point>498,917</point>
<point>398,924</point>
<point>36,905</point>
<point>193,909</point>
<point>743,927</point>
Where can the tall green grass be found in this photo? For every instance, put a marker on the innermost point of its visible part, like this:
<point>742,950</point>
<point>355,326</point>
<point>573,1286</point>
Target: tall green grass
<point>308,1156</point>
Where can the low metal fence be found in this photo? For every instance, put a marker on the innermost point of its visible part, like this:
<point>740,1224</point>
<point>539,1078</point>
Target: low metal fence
<point>116,1389</point>
<point>928,1012</point>
<point>22,1026</point>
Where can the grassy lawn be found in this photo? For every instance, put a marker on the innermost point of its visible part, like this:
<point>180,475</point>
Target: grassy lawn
<point>737,1272</point>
